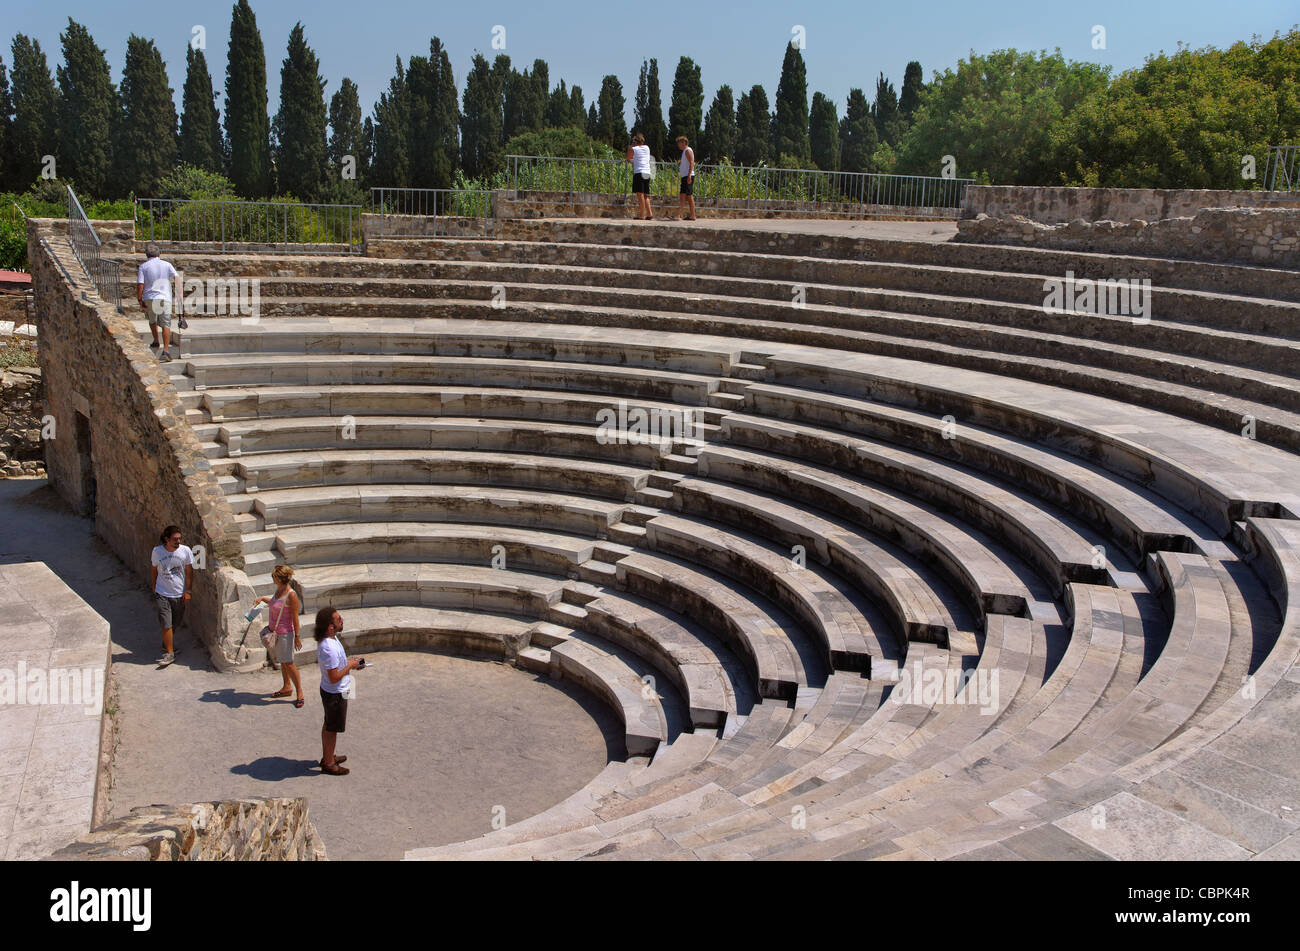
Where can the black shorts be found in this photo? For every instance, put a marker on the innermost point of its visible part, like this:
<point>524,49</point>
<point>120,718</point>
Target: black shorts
<point>169,611</point>
<point>336,711</point>
<point>641,184</point>
<point>688,186</point>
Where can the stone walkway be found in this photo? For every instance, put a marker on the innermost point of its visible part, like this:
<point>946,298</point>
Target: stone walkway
<point>435,743</point>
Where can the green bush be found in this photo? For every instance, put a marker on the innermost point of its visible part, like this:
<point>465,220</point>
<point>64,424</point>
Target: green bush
<point>279,220</point>
<point>561,143</point>
<point>13,244</point>
<point>191,182</point>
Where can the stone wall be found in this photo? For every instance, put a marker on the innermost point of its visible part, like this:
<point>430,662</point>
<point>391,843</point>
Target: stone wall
<point>238,830</point>
<point>1057,205</point>
<point>1268,237</point>
<point>20,422</point>
<point>122,450</point>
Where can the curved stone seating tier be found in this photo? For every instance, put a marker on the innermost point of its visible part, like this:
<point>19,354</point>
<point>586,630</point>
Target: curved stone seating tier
<point>990,579</point>
<point>1115,506</point>
<point>393,542</point>
<point>1042,537</point>
<point>272,509</point>
<point>238,385</point>
<point>1250,365</point>
<point>433,467</point>
<point>1059,550</point>
<point>908,594</point>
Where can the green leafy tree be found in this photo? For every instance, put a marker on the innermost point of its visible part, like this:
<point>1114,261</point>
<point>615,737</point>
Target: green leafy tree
<point>248,127</point>
<point>648,111</point>
<point>561,143</point>
<point>913,85</point>
<point>391,159</point>
<point>824,133</point>
<point>718,140</point>
<point>858,140</point>
<point>145,144</point>
<point>1185,120</point>
<point>87,112</point>
<point>686,112</point>
<point>611,126</point>
<point>300,156</point>
<point>753,128</point>
<point>995,114</point>
<point>33,134</point>
<point>790,121</point>
<point>200,141</point>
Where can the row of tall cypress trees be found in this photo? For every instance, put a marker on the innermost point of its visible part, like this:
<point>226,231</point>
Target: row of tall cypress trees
<point>119,140</point>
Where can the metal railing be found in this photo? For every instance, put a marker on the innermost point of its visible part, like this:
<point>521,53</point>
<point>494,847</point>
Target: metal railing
<point>431,212</point>
<point>231,225</point>
<point>741,188</point>
<point>104,273</point>
<point>1283,173</point>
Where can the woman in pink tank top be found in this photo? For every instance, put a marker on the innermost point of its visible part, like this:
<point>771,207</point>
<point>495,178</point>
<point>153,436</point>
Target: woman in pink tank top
<point>282,617</point>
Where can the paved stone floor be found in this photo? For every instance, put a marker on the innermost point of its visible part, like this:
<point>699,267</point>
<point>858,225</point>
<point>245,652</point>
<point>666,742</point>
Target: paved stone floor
<point>434,742</point>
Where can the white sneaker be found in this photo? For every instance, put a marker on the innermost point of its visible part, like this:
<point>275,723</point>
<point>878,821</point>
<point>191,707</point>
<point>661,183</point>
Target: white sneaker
<point>166,659</point>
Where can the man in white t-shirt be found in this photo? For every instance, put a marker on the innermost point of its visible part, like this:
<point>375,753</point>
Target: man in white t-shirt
<point>153,289</point>
<point>173,578</point>
<point>335,684</point>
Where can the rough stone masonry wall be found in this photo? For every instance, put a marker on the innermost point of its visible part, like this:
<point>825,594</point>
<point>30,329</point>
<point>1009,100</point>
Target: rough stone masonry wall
<point>1057,205</point>
<point>1267,237</point>
<point>238,830</point>
<point>20,422</point>
<point>146,466</point>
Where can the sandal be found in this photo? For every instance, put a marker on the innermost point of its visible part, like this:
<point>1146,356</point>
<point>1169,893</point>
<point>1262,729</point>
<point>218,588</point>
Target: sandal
<point>299,703</point>
<point>280,693</point>
<point>335,770</point>
<point>337,759</point>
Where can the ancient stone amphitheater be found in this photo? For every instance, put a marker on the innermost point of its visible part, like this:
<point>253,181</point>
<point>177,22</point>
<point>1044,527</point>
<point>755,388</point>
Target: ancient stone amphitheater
<point>931,573</point>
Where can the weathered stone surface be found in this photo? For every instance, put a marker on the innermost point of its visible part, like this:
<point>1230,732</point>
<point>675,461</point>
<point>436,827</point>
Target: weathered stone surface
<point>20,422</point>
<point>248,830</point>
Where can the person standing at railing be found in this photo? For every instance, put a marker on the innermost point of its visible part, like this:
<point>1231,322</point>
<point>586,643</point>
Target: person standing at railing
<point>638,153</point>
<point>686,168</point>
<point>153,289</point>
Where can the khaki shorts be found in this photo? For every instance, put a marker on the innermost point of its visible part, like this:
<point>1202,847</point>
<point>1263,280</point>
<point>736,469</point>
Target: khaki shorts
<point>160,312</point>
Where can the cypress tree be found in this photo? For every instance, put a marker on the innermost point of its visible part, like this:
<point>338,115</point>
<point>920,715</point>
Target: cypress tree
<point>611,126</point>
<point>648,112</point>
<point>559,108</point>
<point>824,133</point>
<point>913,85</point>
<point>480,121</point>
<point>145,144</point>
<point>790,123</point>
<point>885,111</point>
<point>33,134</point>
<point>347,135</point>
<point>200,143</point>
<point>687,109</point>
<point>577,111</point>
<point>391,161</point>
<point>6,124</point>
<point>87,112</point>
<point>248,128</point>
<point>420,85</point>
<point>753,124</point>
<point>300,123</point>
<point>718,141</point>
<point>445,116</point>
<point>593,122</point>
<point>858,141</point>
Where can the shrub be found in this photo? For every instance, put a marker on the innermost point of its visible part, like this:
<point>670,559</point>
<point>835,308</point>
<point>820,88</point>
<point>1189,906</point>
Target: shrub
<point>190,181</point>
<point>13,244</point>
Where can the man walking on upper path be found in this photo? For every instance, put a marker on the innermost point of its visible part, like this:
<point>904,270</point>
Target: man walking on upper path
<point>153,289</point>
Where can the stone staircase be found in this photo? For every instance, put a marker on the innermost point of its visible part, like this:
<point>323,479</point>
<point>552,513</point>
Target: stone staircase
<point>934,574</point>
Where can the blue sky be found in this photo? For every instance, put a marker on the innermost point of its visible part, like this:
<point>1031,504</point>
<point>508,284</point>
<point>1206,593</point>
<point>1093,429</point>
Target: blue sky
<point>847,43</point>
